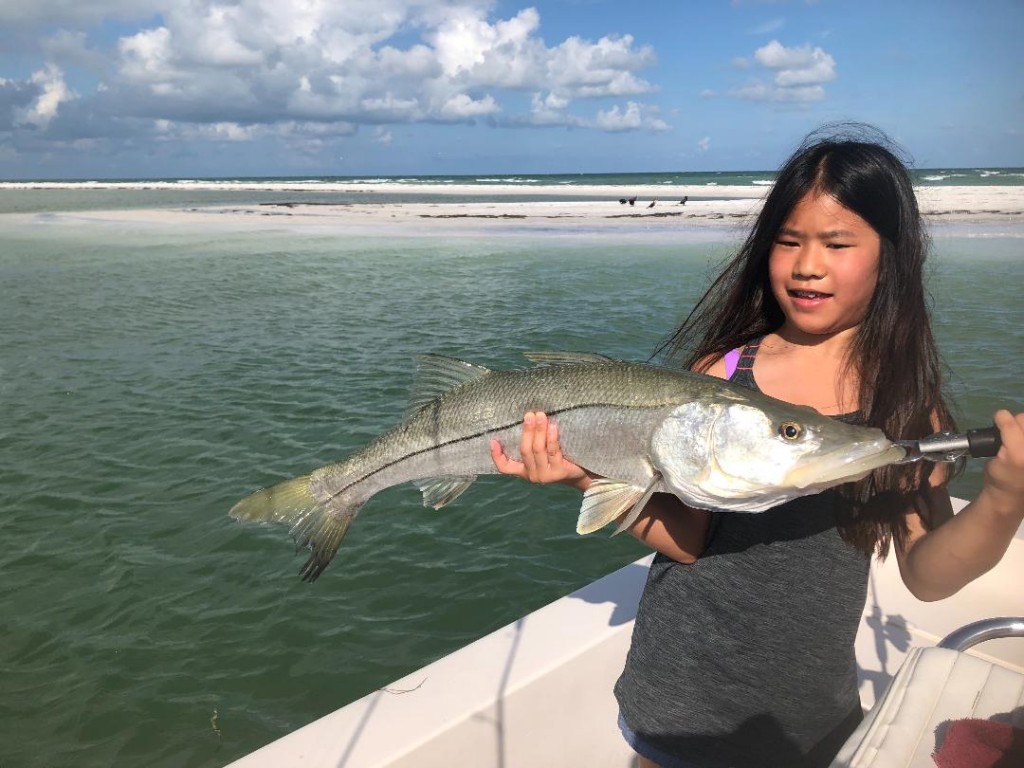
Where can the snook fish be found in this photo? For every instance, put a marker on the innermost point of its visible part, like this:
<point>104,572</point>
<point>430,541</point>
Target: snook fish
<point>645,428</point>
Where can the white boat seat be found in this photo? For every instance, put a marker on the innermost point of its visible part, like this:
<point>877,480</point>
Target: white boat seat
<point>933,687</point>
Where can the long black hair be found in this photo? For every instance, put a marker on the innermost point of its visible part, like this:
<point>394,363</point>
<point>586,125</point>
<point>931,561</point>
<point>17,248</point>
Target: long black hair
<point>893,355</point>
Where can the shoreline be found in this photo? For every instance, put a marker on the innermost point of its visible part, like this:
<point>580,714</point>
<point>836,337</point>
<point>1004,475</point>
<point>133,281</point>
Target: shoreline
<point>585,209</point>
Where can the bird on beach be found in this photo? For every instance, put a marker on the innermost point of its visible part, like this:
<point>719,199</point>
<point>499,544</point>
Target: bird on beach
<point>683,201</point>
<point>622,201</point>
<point>632,200</point>
<point>652,203</point>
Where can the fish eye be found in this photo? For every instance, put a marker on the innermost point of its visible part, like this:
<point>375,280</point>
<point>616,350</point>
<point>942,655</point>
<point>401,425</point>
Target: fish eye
<point>791,430</point>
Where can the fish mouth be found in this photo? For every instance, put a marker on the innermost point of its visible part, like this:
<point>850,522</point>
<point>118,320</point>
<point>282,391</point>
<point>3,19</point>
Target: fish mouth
<point>845,464</point>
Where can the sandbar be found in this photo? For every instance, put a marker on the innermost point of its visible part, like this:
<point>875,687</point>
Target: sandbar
<point>578,209</point>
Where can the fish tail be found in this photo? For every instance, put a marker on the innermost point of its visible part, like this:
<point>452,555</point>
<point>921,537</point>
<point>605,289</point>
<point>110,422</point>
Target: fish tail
<point>314,525</point>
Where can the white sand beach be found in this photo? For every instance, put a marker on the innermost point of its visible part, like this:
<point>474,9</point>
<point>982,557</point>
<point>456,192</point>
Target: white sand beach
<point>582,209</point>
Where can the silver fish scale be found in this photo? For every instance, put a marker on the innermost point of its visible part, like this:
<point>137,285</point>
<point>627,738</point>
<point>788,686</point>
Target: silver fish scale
<point>606,413</point>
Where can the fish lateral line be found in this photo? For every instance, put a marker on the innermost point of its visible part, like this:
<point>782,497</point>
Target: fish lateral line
<point>469,437</point>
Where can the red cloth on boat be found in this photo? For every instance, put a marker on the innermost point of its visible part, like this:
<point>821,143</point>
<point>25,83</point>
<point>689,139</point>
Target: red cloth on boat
<point>976,743</point>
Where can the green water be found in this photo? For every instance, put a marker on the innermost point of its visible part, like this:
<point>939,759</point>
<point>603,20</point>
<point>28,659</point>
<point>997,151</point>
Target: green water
<point>149,378</point>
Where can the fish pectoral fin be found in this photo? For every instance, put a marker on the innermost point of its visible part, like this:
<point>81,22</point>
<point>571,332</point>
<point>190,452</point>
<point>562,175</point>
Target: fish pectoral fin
<point>436,375</point>
<point>438,491</point>
<point>604,501</point>
<point>634,513</point>
<point>566,358</point>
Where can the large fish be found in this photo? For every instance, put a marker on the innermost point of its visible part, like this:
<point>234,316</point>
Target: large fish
<point>645,428</point>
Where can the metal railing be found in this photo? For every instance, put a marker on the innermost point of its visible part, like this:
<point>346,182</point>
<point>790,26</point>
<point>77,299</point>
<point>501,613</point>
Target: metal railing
<point>980,631</point>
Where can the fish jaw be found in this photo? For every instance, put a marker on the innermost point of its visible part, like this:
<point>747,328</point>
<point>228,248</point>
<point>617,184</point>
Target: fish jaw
<point>732,456</point>
<point>845,465</point>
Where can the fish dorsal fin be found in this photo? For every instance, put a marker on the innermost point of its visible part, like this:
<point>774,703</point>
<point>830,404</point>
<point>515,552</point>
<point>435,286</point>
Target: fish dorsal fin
<point>438,491</point>
<point>566,358</point>
<point>438,374</point>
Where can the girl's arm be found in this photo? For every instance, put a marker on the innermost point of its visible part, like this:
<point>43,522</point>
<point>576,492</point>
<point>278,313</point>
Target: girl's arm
<point>666,524</point>
<point>937,563</point>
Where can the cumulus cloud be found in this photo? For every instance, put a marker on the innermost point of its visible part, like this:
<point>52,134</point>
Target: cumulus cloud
<point>796,66</point>
<point>550,110</point>
<point>798,74</point>
<point>36,102</point>
<point>237,71</point>
<point>634,117</point>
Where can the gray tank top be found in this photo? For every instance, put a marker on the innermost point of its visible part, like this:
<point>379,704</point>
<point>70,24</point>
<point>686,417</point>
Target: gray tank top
<point>745,658</point>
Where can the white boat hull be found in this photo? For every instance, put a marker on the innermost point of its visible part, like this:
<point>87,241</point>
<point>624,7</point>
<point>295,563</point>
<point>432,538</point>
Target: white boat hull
<point>538,692</point>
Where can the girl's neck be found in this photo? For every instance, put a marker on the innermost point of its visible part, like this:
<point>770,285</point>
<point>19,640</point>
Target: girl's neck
<point>833,345</point>
<point>808,369</point>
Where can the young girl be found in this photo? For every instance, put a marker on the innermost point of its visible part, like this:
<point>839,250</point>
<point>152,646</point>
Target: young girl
<point>743,648</point>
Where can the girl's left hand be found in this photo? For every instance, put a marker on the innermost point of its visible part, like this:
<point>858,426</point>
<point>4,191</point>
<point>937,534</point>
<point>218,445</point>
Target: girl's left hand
<point>1004,474</point>
<point>542,459</point>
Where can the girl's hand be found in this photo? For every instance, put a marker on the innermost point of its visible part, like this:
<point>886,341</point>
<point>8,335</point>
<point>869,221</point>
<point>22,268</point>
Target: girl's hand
<point>542,460</point>
<point>1004,475</point>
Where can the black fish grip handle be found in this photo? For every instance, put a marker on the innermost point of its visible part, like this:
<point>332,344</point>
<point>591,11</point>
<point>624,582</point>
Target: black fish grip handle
<point>945,446</point>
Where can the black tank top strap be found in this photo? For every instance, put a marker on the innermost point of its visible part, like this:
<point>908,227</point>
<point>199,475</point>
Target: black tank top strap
<point>744,373</point>
<point>744,376</point>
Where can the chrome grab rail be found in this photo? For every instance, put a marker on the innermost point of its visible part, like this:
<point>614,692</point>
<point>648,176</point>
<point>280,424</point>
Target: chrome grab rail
<point>980,631</point>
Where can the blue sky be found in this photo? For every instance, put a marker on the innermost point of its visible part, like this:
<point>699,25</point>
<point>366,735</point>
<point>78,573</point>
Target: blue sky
<point>190,88</point>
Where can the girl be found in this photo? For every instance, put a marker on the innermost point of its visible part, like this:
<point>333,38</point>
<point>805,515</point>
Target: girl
<point>743,648</point>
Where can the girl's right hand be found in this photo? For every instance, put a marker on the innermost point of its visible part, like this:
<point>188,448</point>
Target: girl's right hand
<point>542,459</point>
<point>1004,474</point>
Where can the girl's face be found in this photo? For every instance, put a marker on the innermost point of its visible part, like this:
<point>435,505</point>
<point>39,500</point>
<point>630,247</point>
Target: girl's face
<point>823,266</point>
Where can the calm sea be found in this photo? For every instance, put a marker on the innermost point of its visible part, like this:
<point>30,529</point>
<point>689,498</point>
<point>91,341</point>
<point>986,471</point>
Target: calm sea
<point>150,377</point>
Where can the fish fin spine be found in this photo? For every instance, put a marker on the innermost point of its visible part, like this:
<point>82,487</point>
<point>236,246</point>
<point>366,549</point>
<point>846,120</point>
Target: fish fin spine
<point>566,358</point>
<point>437,375</point>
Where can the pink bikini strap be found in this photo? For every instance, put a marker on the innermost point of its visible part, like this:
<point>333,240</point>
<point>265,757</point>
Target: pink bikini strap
<point>732,359</point>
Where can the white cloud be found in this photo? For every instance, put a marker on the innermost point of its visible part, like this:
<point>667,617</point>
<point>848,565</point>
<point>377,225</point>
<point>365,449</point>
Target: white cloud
<point>796,66</point>
<point>550,110</point>
<point>264,60</point>
<point>146,57</point>
<point>461,106</point>
<point>305,72</point>
<point>634,117</point>
<point>51,92</point>
<point>798,74</point>
<point>704,144</point>
<point>466,44</point>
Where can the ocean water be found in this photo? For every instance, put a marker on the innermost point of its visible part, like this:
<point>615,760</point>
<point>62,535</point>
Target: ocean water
<point>921,176</point>
<point>152,376</point>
